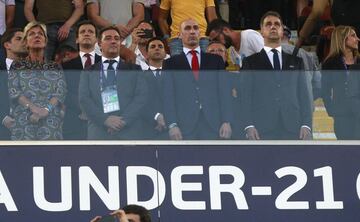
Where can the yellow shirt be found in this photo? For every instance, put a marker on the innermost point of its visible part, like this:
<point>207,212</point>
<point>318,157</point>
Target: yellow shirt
<point>184,9</point>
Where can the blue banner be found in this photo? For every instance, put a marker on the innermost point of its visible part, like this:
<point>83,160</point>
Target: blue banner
<point>181,182</point>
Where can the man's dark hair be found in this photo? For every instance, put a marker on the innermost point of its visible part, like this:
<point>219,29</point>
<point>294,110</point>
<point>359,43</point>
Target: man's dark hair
<point>153,39</point>
<point>85,22</point>
<point>217,25</point>
<point>149,23</point>
<point>8,35</point>
<point>138,210</point>
<point>270,13</point>
<point>112,27</point>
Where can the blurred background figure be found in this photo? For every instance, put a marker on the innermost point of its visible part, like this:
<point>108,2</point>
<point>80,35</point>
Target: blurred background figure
<point>7,16</point>
<point>202,11</point>
<point>59,16</point>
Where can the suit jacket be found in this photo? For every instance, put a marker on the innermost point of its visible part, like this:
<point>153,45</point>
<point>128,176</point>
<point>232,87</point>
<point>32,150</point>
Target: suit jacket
<point>154,105</point>
<point>4,101</point>
<point>183,95</point>
<point>72,71</point>
<point>268,94</point>
<point>334,87</point>
<point>132,94</point>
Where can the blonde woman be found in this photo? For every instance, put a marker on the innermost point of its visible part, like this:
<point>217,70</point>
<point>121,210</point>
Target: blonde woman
<point>335,80</point>
<point>37,89</point>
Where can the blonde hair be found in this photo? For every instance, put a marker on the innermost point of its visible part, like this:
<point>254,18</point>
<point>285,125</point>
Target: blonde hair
<point>34,24</point>
<point>338,39</point>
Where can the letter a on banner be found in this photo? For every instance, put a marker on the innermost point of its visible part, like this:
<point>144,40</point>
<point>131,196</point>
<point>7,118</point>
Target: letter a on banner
<point>5,195</point>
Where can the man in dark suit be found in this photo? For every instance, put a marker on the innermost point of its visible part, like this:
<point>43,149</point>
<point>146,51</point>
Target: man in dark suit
<point>276,102</point>
<point>154,122</point>
<point>75,121</point>
<point>197,100</point>
<point>14,49</point>
<point>6,120</point>
<point>111,95</point>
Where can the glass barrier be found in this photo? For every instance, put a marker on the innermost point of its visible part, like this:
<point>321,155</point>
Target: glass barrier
<point>179,105</point>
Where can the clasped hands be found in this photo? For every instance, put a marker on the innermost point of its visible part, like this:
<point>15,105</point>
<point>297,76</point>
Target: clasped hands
<point>114,124</point>
<point>37,113</point>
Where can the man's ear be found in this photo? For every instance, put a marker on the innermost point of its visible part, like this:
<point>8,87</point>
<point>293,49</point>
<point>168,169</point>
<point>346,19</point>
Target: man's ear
<point>226,31</point>
<point>6,45</point>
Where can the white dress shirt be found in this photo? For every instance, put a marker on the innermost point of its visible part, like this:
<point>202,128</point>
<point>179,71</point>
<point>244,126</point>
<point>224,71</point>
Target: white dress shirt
<point>270,54</point>
<point>8,63</point>
<point>105,64</point>
<point>83,57</point>
<point>189,55</point>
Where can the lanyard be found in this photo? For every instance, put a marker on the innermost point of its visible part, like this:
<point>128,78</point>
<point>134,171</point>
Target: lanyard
<point>103,77</point>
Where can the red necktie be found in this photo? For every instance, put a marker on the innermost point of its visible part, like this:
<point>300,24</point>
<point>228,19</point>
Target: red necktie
<point>195,64</point>
<point>87,61</point>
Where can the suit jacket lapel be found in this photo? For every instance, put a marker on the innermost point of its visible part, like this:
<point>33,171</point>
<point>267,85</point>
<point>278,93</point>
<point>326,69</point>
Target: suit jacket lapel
<point>95,73</point>
<point>97,58</point>
<point>265,62</point>
<point>203,61</point>
<point>285,61</point>
<point>184,62</point>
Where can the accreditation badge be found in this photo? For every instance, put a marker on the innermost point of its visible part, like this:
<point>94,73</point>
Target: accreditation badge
<point>110,99</point>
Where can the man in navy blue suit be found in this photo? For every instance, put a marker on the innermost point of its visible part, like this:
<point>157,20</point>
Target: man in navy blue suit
<point>12,42</point>
<point>276,102</point>
<point>197,97</point>
<point>75,121</point>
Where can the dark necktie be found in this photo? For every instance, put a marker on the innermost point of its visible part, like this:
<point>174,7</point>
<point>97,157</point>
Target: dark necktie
<point>157,73</point>
<point>158,77</point>
<point>87,61</point>
<point>276,59</point>
<point>195,64</point>
<point>110,79</point>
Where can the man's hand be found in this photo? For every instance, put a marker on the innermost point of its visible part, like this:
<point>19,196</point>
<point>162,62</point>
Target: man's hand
<point>225,131</point>
<point>135,36</point>
<point>160,123</point>
<point>121,216</point>
<point>115,123</point>
<point>96,219</point>
<point>252,134</point>
<point>175,133</point>
<point>127,55</point>
<point>9,122</point>
<point>63,32</point>
<point>83,116</point>
<point>124,31</point>
<point>305,133</point>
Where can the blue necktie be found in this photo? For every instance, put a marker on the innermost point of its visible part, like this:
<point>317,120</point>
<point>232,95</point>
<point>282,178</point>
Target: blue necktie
<point>110,79</point>
<point>276,59</point>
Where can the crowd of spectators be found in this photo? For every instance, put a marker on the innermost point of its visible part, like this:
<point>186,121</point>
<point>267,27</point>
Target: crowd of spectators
<point>170,69</point>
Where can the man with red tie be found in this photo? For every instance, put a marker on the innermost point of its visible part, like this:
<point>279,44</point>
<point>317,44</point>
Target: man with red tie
<point>75,121</point>
<point>197,97</point>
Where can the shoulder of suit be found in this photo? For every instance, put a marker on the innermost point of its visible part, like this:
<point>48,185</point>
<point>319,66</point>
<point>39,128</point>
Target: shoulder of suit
<point>129,66</point>
<point>69,64</point>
